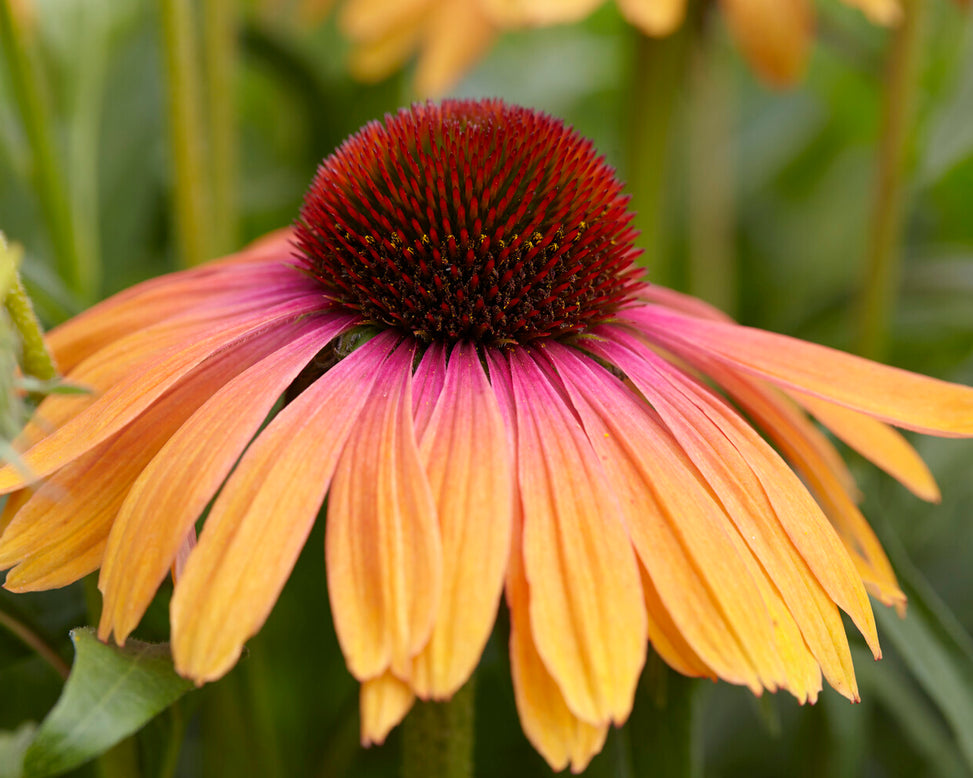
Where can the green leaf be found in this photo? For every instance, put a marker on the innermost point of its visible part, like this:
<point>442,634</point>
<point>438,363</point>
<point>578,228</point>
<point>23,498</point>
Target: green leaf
<point>111,693</point>
<point>937,651</point>
<point>12,748</point>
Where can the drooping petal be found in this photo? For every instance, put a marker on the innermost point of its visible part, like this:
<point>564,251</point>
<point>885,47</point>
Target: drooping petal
<point>559,735</point>
<point>382,545</point>
<point>769,505</point>
<point>709,582</point>
<point>775,35</point>
<point>654,17</point>
<point>464,452</point>
<point>190,293</point>
<point>587,613</point>
<point>877,442</point>
<point>813,456</point>
<point>383,703</point>
<point>76,508</point>
<point>135,392</point>
<point>259,523</point>
<point>895,396</point>
<point>174,488</point>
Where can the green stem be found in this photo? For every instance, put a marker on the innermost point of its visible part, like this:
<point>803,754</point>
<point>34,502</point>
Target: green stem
<point>36,360</point>
<point>656,78</point>
<point>78,271</point>
<point>35,642</point>
<point>712,266</point>
<point>220,49</point>
<point>884,252</point>
<point>666,741</point>
<point>437,738</point>
<point>186,136</point>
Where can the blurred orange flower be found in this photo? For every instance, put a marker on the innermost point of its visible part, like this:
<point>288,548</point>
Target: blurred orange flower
<point>451,35</point>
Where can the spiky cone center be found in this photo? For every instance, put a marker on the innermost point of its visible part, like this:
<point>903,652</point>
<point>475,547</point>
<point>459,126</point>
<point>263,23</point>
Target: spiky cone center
<point>470,220</point>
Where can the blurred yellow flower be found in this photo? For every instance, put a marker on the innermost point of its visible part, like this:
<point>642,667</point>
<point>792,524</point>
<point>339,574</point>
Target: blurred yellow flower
<point>451,35</point>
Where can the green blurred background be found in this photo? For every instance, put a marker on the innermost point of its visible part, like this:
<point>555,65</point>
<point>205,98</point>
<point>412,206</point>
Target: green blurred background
<point>763,205</point>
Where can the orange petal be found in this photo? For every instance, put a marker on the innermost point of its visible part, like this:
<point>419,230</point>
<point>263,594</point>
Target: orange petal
<point>558,735</point>
<point>879,11</point>
<point>174,488</point>
<point>775,36</point>
<point>711,585</point>
<point>259,523</point>
<point>587,613</point>
<point>382,545</point>
<point>384,701</point>
<point>896,396</point>
<point>458,34</point>
<point>666,638</point>
<point>654,17</point>
<point>81,501</point>
<point>191,293</point>
<point>813,456</point>
<point>464,452</point>
<point>877,442</point>
<point>769,505</point>
<point>125,400</point>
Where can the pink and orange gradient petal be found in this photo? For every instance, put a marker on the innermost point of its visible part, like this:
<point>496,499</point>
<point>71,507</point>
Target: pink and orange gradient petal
<point>464,452</point>
<point>560,736</point>
<point>589,629</point>
<point>895,396</point>
<point>813,456</point>
<point>765,514</point>
<point>198,293</point>
<point>75,509</point>
<point>174,488</point>
<point>707,578</point>
<point>427,384</point>
<point>382,545</point>
<point>262,517</point>
<point>136,391</point>
<point>877,442</point>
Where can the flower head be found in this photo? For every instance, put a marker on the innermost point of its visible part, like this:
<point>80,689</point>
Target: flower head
<point>493,404</point>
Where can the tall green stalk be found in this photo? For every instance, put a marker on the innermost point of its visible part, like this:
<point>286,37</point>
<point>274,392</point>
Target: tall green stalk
<point>187,138</point>
<point>437,737</point>
<point>657,74</point>
<point>884,254</point>
<point>712,264</point>
<point>220,51</point>
<point>78,271</point>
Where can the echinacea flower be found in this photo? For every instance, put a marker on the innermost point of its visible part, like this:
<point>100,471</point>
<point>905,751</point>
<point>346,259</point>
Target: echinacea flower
<point>450,36</point>
<point>493,402</point>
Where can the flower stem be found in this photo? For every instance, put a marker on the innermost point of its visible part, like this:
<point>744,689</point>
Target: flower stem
<point>36,360</point>
<point>656,78</point>
<point>35,642</point>
<point>437,738</point>
<point>712,268</point>
<point>884,252</point>
<point>78,272</point>
<point>186,137</point>
<point>220,51</point>
<point>667,743</point>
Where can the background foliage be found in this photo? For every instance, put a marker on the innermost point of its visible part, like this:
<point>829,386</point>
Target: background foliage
<point>774,189</point>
